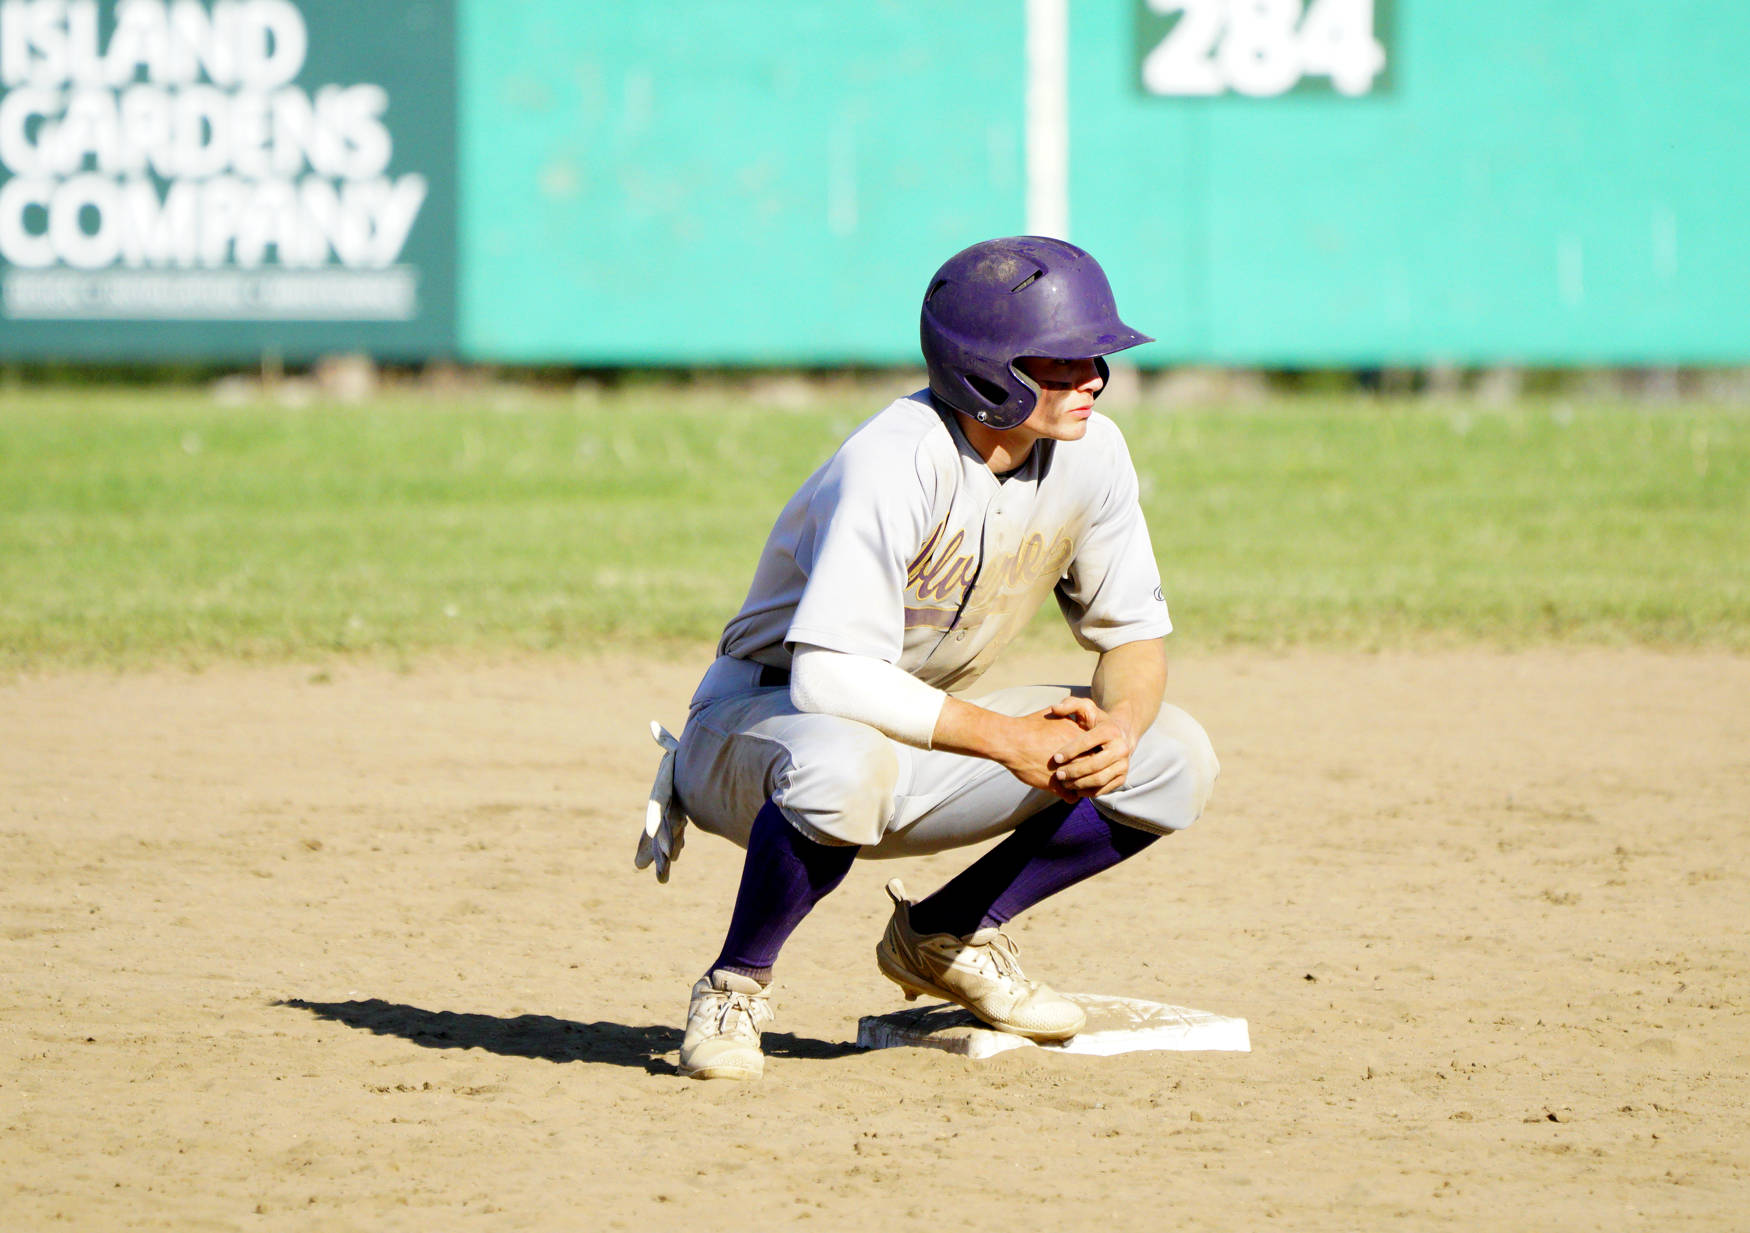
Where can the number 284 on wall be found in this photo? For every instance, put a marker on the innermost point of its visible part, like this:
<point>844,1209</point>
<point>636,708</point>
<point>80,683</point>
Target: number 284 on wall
<point>1259,47</point>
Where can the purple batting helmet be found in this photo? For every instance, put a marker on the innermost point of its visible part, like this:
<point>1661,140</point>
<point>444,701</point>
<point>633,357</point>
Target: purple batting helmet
<point>1002,299</point>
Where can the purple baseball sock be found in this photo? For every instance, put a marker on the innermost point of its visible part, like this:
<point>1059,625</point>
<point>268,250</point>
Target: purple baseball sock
<point>785,875</point>
<point>1049,852</point>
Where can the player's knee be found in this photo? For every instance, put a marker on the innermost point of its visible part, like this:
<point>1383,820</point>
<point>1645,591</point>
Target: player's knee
<point>1172,772</point>
<point>841,790</point>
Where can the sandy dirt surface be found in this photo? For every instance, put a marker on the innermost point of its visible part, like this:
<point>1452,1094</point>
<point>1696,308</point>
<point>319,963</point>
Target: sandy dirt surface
<point>289,948</point>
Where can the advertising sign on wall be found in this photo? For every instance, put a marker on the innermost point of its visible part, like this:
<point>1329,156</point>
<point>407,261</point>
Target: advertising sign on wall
<point>226,177</point>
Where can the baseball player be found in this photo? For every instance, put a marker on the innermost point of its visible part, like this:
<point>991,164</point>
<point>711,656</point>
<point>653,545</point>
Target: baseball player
<point>832,724</point>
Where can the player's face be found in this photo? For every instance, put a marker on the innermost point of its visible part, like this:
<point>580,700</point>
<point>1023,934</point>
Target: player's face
<point>1066,396</point>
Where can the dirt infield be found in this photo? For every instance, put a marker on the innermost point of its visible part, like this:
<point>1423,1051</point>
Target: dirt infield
<point>289,948</point>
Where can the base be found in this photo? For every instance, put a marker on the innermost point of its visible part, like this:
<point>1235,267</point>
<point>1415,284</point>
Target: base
<point>1115,1025</point>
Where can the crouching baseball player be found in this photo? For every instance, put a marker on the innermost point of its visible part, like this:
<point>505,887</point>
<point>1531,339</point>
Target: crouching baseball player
<point>825,729</point>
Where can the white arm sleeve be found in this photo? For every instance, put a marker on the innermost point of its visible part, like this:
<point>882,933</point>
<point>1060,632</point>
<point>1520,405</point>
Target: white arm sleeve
<point>870,691</point>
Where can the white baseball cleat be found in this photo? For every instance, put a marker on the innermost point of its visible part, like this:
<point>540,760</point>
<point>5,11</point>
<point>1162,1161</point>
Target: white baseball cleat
<point>723,1027</point>
<point>980,971</point>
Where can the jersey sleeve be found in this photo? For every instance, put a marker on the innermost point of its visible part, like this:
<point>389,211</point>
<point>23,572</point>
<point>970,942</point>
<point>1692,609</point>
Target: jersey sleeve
<point>1111,593</point>
<point>867,518</point>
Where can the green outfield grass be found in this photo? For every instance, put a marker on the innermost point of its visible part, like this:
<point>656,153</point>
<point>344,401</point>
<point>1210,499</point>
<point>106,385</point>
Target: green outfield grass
<point>150,526</point>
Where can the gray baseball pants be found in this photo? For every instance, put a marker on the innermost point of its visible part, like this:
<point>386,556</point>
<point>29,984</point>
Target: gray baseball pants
<point>843,782</point>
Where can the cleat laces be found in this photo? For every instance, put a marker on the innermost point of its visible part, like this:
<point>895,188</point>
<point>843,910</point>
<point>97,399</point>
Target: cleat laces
<point>740,1013</point>
<point>997,956</point>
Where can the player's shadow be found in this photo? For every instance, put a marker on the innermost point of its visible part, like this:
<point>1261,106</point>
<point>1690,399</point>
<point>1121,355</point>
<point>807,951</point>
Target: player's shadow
<point>542,1036</point>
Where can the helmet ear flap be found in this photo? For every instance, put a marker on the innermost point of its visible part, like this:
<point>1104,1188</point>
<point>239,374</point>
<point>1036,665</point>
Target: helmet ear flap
<point>1105,371</point>
<point>989,390</point>
<point>1001,409</point>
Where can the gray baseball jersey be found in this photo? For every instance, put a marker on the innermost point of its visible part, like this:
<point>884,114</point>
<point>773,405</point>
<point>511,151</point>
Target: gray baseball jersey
<point>905,547</point>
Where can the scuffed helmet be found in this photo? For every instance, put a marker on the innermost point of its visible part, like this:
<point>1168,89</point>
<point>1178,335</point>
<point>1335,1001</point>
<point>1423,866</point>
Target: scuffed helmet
<point>1003,299</point>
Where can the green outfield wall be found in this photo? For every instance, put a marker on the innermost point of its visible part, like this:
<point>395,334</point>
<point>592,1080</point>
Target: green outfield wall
<point>1538,181</point>
<point>716,182</point>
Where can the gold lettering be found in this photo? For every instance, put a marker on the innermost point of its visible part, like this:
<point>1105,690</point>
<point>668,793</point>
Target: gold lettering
<point>941,573</point>
<point>919,563</point>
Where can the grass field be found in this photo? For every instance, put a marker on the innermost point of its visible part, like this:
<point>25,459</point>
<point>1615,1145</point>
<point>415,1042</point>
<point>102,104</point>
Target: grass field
<point>158,526</point>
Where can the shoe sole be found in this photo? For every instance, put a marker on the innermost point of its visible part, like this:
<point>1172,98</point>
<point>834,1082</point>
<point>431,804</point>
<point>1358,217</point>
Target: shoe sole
<point>742,1073</point>
<point>913,987</point>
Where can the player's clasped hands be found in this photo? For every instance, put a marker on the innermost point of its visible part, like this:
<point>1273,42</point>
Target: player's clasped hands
<point>1072,749</point>
<point>1097,759</point>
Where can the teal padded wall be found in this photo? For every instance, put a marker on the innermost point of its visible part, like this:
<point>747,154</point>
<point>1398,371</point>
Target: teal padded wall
<point>1541,181</point>
<point>1538,181</point>
<point>693,182</point>
<point>770,182</point>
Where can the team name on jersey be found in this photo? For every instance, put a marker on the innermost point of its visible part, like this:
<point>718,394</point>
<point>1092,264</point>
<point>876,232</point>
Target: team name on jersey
<point>941,575</point>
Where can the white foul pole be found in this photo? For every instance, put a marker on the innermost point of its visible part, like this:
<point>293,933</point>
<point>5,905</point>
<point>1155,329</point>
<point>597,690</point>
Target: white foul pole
<point>1048,118</point>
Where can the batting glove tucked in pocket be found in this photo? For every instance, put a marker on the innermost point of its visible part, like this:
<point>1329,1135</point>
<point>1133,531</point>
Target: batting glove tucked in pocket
<point>665,825</point>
